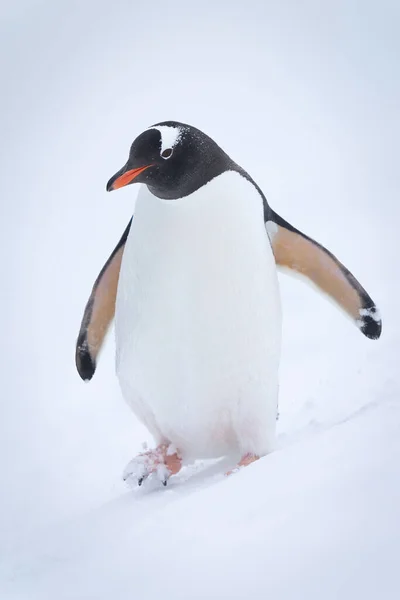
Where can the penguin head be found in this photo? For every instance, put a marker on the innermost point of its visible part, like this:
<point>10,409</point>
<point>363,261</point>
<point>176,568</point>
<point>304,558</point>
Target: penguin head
<point>173,160</point>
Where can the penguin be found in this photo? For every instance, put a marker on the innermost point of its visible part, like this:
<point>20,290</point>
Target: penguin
<point>193,286</point>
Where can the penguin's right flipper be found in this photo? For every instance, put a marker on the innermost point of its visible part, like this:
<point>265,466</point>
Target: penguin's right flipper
<point>99,312</point>
<point>296,251</point>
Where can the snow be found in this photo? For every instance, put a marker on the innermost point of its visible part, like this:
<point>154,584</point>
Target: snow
<point>368,312</point>
<point>307,521</point>
<point>318,518</point>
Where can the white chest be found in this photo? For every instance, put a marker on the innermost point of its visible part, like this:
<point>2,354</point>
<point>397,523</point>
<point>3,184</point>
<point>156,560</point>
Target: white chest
<point>198,315</point>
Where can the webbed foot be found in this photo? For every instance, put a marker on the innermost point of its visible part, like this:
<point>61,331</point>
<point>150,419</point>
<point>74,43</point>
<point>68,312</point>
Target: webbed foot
<point>163,462</point>
<point>246,460</point>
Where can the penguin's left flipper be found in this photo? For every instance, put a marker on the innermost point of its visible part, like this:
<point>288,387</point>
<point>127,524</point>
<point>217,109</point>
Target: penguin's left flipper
<point>296,251</point>
<point>99,312</point>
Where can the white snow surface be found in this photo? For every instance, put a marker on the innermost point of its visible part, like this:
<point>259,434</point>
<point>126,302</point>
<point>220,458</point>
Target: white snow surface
<point>319,517</point>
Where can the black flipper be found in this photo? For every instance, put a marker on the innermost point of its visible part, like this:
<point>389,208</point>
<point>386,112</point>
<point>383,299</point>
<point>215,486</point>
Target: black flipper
<point>99,312</point>
<point>298,252</point>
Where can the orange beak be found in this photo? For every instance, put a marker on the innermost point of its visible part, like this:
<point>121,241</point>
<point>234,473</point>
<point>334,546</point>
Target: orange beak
<point>125,178</point>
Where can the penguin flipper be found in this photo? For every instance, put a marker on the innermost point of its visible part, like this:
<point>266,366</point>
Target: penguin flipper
<point>99,312</point>
<point>296,251</point>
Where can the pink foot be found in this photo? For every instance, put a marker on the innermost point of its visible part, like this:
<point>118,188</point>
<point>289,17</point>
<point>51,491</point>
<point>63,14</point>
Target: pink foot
<point>245,461</point>
<point>164,461</point>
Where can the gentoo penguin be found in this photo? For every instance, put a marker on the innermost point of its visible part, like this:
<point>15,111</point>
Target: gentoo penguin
<point>193,286</point>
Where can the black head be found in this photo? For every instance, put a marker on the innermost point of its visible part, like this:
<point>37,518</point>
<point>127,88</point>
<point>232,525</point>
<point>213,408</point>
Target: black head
<point>173,160</point>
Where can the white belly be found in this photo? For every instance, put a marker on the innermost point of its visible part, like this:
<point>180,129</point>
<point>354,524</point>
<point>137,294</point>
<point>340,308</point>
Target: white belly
<point>198,321</point>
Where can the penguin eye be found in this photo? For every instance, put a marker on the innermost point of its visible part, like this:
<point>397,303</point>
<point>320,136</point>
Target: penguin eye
<point>167,153</point>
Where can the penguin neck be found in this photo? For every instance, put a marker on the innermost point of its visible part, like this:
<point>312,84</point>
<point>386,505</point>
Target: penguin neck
<point>226,198</point>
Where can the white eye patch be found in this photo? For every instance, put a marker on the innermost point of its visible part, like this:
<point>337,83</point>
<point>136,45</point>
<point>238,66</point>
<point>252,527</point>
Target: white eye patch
<point>167,153</point>
<point>169,138</point>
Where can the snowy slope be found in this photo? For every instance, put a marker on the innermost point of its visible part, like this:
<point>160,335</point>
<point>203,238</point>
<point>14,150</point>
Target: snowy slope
<point>307,100</point>
<point>315,519</point>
